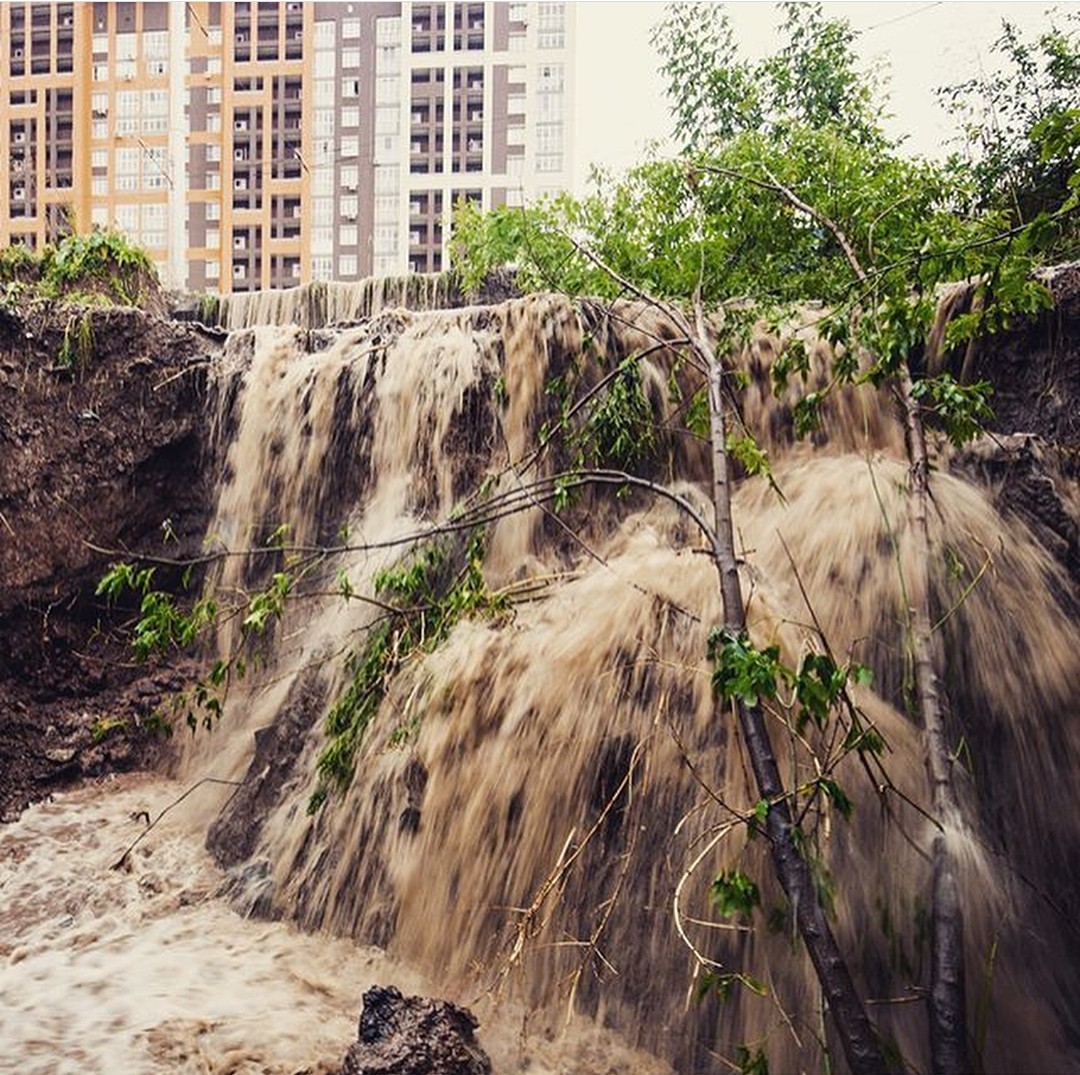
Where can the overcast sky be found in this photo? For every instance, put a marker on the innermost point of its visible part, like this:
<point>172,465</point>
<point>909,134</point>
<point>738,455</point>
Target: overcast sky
<point>924,45</point>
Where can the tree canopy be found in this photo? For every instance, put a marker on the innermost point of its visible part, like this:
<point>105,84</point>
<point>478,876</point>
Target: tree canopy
<point>764,142</point>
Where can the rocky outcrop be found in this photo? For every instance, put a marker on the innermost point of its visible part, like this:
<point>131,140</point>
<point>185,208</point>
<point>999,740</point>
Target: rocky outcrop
<point>402,1035</point>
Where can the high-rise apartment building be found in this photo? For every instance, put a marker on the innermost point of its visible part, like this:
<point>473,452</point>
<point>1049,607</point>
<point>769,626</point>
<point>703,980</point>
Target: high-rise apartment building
<point>256,145</point>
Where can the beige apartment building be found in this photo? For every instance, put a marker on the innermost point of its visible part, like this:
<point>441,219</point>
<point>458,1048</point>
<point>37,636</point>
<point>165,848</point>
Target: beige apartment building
<point>263,145</point>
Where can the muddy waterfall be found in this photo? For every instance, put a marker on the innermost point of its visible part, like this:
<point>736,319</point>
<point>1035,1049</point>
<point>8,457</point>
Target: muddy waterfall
<point>540,802</point>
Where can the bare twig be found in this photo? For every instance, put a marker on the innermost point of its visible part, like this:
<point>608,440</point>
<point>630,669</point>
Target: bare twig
<point>122,860</point>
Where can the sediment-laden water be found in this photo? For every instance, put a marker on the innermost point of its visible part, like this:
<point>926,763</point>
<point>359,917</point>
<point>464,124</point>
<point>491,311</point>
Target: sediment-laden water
<point>541,803</point>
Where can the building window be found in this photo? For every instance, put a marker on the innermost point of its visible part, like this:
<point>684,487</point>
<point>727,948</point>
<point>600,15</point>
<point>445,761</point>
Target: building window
<point>386,179</point>
<point>127,218</point>
<point>387,119</point>
<point>384,239</point>
<point>126,46</point>
<point>388,31</point>
<point>551,33</point>
<point>155,44</point>
<point>347,265</point>
<point>127,160</point>
<point>387,90</point>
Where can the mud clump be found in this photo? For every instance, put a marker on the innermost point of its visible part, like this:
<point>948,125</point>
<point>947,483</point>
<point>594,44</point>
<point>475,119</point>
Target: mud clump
<point>401,1035</point>
<point>100,457</point>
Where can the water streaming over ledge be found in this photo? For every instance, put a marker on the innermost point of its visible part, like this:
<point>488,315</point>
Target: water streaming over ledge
<point>322,303</point>
<point>541,803</point>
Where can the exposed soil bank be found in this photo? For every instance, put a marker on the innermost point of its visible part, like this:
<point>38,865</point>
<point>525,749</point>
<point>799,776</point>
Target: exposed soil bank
<point>102,456</point>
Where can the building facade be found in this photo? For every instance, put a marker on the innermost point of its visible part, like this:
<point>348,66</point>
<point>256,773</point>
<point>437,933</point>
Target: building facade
<point>262,145</point>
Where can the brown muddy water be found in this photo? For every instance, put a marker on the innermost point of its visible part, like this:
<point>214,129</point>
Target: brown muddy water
<point>540,804</point>
<point>148,969</point>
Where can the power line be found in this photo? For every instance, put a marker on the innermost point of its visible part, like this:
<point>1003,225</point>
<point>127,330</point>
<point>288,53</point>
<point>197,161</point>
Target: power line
<point>900,18</point>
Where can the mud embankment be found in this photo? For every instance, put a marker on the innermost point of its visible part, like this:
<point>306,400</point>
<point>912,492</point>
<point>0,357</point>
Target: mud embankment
<point>98,452</point>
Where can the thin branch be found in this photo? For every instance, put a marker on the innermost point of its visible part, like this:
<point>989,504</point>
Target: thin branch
<point>122,860</point>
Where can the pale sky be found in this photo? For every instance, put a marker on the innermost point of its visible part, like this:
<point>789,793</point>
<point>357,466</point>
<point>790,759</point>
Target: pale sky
<point>924,45</point>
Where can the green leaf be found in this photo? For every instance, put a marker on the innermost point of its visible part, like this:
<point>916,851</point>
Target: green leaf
<point>742,672</point>
<point>734,893</point>
<point>751,1063</point>
<point>836,795</point>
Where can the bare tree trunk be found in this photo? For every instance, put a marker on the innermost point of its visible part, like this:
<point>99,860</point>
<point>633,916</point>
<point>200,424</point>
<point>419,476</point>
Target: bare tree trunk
<point>857,1036</point>
<point>948,1003</point>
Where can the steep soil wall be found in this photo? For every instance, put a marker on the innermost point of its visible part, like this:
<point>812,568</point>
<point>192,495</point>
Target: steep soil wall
<point>101,452</point>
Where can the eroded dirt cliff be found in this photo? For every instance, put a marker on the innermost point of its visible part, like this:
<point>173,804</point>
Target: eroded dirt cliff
<point>100,452</point>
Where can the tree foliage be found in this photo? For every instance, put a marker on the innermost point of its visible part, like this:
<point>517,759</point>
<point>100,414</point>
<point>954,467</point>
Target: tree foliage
<point>1021,123</point>
<point>814,80</point>
<point>99,268</point>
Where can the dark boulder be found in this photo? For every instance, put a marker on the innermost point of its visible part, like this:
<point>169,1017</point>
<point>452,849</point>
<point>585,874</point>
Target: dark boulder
<point>401,1035</point>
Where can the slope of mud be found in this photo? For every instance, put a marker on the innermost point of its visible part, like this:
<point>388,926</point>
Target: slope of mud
<point>102,454</point>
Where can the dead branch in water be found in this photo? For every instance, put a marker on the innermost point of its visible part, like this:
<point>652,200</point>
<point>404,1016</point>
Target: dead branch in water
<point>122,860</point>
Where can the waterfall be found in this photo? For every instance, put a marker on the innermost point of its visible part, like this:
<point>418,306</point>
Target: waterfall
<point>543,799</point>
<point>323,303</point>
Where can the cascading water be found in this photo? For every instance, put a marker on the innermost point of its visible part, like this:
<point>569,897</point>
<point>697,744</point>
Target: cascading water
<point>322,303</point>
<point>542,801</point>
